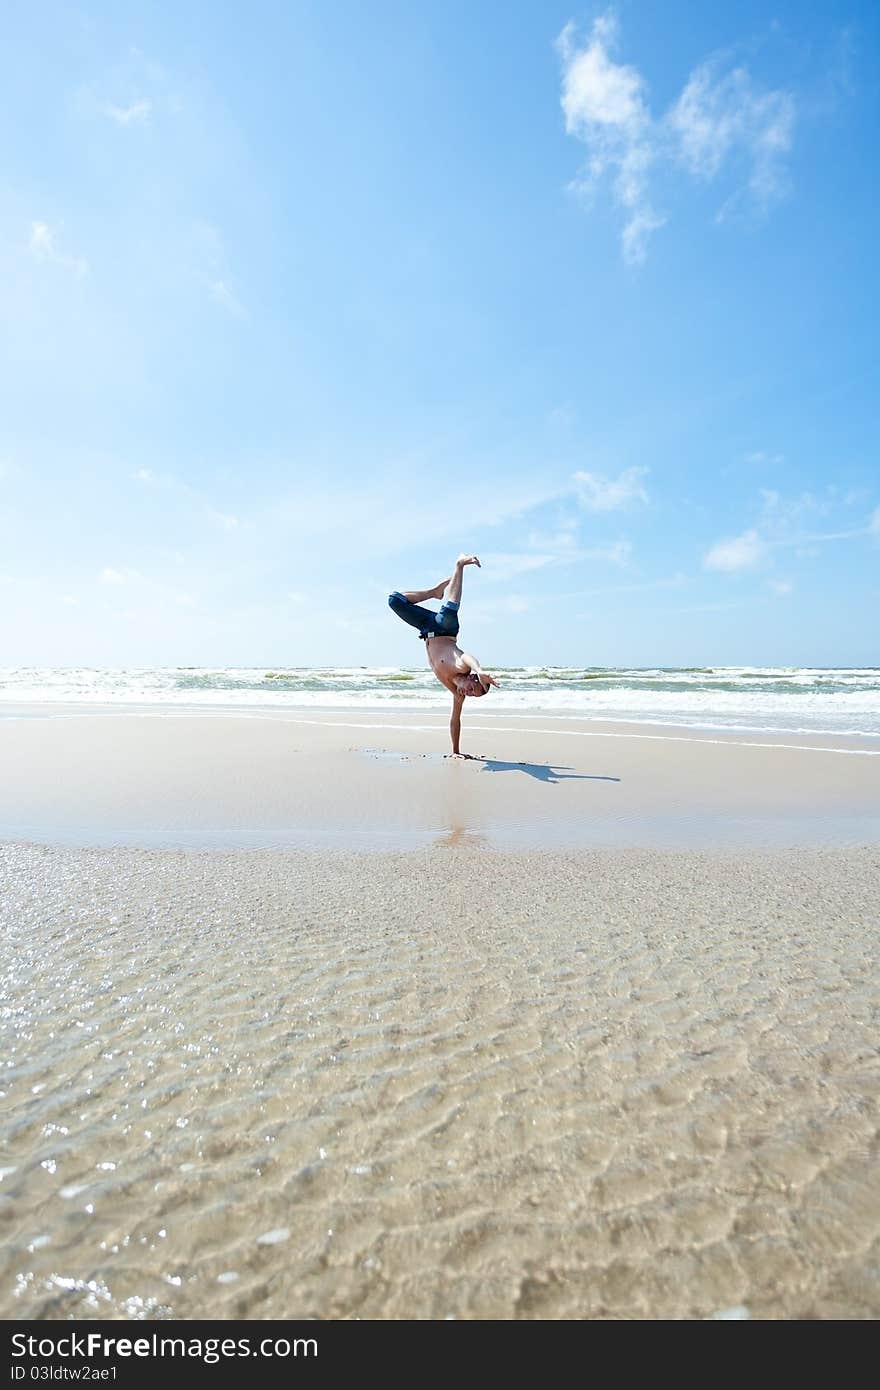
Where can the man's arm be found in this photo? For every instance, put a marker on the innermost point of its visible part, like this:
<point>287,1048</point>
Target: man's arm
<point>455,724</point>
<point>470,663</point>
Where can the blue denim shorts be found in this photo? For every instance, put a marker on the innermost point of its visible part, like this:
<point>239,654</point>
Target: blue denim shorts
<point>429,623</point>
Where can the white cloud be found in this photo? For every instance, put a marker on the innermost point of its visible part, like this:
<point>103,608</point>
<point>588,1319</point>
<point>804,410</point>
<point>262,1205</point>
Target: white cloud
<point>136,114</point>
<point>720,119</point>
<point>503,566</point>
<point>637,233</point>
<point>715,118</point>
<point>41,242</point>
<point>193,498</point>
<point>731,556</point>
<point>484,610</point>
<point>605,108</point>
<point>43,247</point>
<point>381,514</point>
<point>223,295</point>
<point>114,576</point>
<point>715,607</point>
<point>599,494</point>
<point>780,516</point>
<point>596,91</point>
<point>676,581</point>
<point>618,553</point>
<point>153,595</point>
<point>561,418</point>
<point>779,527</point>
<point>563,548</point>
<point>213,270</point>
<point>781,587</point>
<point>563,541</point>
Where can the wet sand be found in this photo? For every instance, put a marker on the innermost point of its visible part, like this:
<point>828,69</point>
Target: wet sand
<point>344,780</point>
<point>455,1078</point>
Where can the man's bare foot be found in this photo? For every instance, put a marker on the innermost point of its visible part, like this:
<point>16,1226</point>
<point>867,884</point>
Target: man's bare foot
<point>469,560</point>
<point>440,589</point>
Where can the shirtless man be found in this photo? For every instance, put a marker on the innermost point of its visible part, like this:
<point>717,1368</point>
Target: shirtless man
<point>460,672</point>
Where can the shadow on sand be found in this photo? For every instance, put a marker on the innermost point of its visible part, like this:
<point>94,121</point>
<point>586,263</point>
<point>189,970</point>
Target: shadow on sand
<point>543,772</point>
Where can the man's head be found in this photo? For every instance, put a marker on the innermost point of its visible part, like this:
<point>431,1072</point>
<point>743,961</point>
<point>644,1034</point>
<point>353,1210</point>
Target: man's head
<point>471,684</point>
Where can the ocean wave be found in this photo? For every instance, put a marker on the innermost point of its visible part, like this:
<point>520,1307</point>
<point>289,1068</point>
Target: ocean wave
<point>789,699</point>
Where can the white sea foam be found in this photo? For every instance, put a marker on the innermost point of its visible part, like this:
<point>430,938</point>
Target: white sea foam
<point>774,699</point>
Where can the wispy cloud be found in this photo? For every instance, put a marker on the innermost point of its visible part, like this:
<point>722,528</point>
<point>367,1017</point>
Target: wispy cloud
<point>719,119</point>
<point>779,515</point>
<point>675,581</point>
<point>195,499</point>
<point>715,607</point>
<point>223,295</point>
<point>722,114</point>
<point>740,553</point>
<point>43,246</point>
<point>212,268</point>
<point>781,525</point>
<point>597,493</point>
<point>501,565</point>
<point>130,91</point>
<point>382,512</point>
<point>550,552</point>
<point>224,520</point>
<point>118,577</point>
<point>138,587</point>
<point>783,520</point>
<point>483,610</point>
<point>760,458</point>
<point>562,541</point>
<point>138,113</point>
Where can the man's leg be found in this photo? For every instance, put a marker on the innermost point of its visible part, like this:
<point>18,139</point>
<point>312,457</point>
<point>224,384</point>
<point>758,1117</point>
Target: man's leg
<point>419,595</point>
<point>424,619</point>
<point>453,593</point>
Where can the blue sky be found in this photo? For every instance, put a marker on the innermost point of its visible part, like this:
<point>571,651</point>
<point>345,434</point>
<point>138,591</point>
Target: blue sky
<point>299,300</point>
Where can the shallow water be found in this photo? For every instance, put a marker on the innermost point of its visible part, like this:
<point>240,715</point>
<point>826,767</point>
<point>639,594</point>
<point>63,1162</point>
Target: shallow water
<point>439,1085</point>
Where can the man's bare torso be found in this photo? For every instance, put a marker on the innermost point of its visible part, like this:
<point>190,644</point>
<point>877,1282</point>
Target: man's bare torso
<point>445,658</point>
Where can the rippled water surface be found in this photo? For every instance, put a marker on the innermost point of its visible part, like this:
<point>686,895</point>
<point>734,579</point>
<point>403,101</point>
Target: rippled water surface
<point>438,1085</point>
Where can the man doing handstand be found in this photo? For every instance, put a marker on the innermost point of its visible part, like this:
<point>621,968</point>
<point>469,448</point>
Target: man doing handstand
<point>460,672</point>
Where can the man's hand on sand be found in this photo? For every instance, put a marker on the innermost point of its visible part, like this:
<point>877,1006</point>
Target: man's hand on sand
<point>465,757</point>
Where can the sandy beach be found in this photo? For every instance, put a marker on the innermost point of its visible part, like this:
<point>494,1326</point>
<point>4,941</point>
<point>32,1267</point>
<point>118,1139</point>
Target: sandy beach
<point>370,780</point>
<point>303,1020</point>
